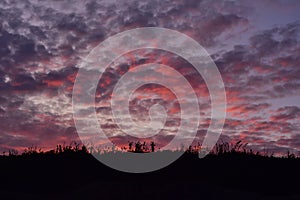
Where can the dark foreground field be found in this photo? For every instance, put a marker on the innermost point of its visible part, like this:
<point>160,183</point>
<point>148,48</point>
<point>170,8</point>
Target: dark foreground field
<point>79,176</point>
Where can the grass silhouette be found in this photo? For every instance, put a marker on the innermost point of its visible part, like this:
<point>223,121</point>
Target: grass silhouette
<point>230,171</point>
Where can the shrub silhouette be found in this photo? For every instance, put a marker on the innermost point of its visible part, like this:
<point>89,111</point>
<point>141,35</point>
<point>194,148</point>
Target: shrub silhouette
<point>70,169</point>
<point>33,150</point>
<point>220,149</point>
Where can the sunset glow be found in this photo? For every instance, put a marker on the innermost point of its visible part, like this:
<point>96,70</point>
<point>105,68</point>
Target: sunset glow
<point>255,45</point>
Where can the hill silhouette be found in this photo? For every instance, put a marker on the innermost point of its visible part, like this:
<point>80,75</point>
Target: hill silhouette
<point>71,172</point>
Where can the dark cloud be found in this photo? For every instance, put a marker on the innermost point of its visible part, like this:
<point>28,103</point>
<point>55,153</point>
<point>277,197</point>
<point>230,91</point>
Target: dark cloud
<point>287,113</point>
<point>276,40</point>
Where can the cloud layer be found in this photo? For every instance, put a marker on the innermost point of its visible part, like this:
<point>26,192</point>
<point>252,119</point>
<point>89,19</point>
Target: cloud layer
<point>42,43</point>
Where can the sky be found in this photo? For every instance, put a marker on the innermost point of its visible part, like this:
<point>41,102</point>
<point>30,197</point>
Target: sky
<point>255,45</point>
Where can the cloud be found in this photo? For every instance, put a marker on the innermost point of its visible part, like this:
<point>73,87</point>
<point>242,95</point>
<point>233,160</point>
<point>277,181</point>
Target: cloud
<point>287,113</point>
<point>276,40</point>
<point>42,42</point>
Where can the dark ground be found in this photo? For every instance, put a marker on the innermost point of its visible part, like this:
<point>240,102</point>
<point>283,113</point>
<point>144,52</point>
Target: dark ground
<point>80,176</point>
